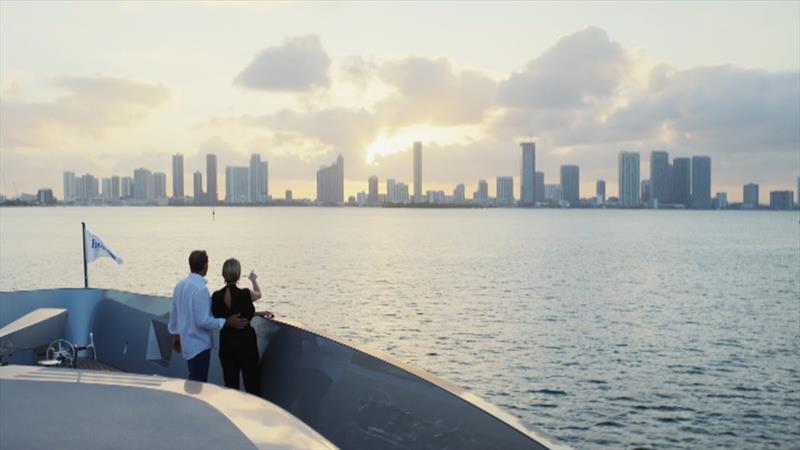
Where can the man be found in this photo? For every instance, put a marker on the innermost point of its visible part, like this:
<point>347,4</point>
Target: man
<point>191,322</point>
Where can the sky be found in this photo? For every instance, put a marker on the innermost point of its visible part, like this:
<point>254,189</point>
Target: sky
<point>104,88</point>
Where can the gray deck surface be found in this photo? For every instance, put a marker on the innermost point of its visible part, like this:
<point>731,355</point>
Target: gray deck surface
<point>91,416</point>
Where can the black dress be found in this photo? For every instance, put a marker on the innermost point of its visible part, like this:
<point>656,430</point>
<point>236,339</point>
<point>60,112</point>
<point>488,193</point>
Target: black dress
<point>238,351</point>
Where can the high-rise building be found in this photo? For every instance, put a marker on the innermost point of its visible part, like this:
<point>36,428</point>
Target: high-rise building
<point>70,187</point>
<point>259,180</point>
<point>330,184</point>
<point>750,196</point>
<point>177,175</point>
<point>539,187</point>
<point>211,179</point>
<point>701,182</point>
<point>629,179</point>
<point>458,194</point>
<point>681,181</point>
<point>237,185</point>
<point>199,196</point>
<point>126,188</point>
<point>552,194</point>
<point>570,184</point>
<point>527,185</point>
<point>721,200</point>
<point>115,191</point>
<point>505,191</point>
<point>481,196</point>
<point>105,188</point>
<point>660,182</point>
<point>601,191</point>
<point>391,190</point>
<point>417,172</point>
<point>159,185</point>
<point>401,193</point>
<point>288,195</point>
<point>143,185</point>
<point>781,200</point>
<point>372,197</point>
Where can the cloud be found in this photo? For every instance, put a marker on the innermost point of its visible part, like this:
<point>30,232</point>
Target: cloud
<point>430,91</point>
<point>579,68</point>
<point>299,64</point>
<point>90,106</point>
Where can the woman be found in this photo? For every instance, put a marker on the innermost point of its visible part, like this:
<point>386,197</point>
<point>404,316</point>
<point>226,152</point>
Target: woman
<point>238,352</point>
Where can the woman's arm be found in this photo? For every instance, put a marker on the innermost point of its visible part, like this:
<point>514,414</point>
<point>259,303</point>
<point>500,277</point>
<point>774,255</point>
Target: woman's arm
<point>255,291</point>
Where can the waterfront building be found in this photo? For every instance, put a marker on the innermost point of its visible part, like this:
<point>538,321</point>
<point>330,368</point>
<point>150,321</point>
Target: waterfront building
<point>258,185</point>
<point>682,181</point>
<point>126,187</point>
<point>115,187</point>
<point>539,179</point>
<point>750,196</point>
<point>721,200</point>
<point>458,195</point>
<point>481,196</point>
<point>211,196</point>
<point>601,192</point>
<point>372,196</point>
<point>781,200</point>
<point>197,179</point>
<point>401,193</point>
<point>629,179</point>
<point>505,191</point>
<point>570,184</point>
<point>237,185</point>
<point>417,172</point>
<point>330,184</point>
<point>660,180</point>
<point>177,176</point>
<point>552,194</point>
<point>527,185</point>
<point>45,196</point>
<point>70,187</point>
<point>288,195</point>
<point>391,194</point>
<point>105,188</point>
<point>701,182</point>
<point>159,185</point>
<point>143,187</point>
<point>361,198</point>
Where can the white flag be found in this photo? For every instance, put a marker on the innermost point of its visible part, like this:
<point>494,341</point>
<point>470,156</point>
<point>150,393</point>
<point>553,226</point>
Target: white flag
<point>95,249</point>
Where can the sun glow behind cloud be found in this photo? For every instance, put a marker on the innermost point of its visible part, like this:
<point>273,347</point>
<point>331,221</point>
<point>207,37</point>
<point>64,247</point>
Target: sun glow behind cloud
<point>395,140</point>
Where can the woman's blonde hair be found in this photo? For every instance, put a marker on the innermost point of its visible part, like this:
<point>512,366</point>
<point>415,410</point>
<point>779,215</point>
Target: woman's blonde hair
<point>231,270</point>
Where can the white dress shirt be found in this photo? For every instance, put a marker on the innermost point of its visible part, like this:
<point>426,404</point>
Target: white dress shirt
<point>191,316</point>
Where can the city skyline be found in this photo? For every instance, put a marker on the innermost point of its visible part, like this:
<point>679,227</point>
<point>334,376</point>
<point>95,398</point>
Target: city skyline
<point>302,96</point>
<point>684,183</point>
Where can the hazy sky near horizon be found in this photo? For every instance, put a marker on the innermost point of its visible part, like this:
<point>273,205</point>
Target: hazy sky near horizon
<point>108,87</point>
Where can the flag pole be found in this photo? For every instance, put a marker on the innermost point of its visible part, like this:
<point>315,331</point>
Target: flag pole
<point>85,272</point>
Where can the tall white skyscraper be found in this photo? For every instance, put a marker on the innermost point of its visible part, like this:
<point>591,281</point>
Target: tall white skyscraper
<point>105,188</point>
<point>177,175</point>
<point>159,185</point>
<point>458,194</point>
<point>70,187</point>
<point>629,179</point>
<point>115,187</point>
<point>417,172</point>
<point>259,180</point>
<point>126,188</point>
<point>197,184</point>
<point>528,174</point>
<point>330,184</point>
<point>143,187</point>
<point>237,185</point>
<point>391,193</point>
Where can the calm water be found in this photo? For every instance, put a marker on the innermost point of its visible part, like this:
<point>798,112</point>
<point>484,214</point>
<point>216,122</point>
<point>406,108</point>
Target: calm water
<point>604,328</point>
